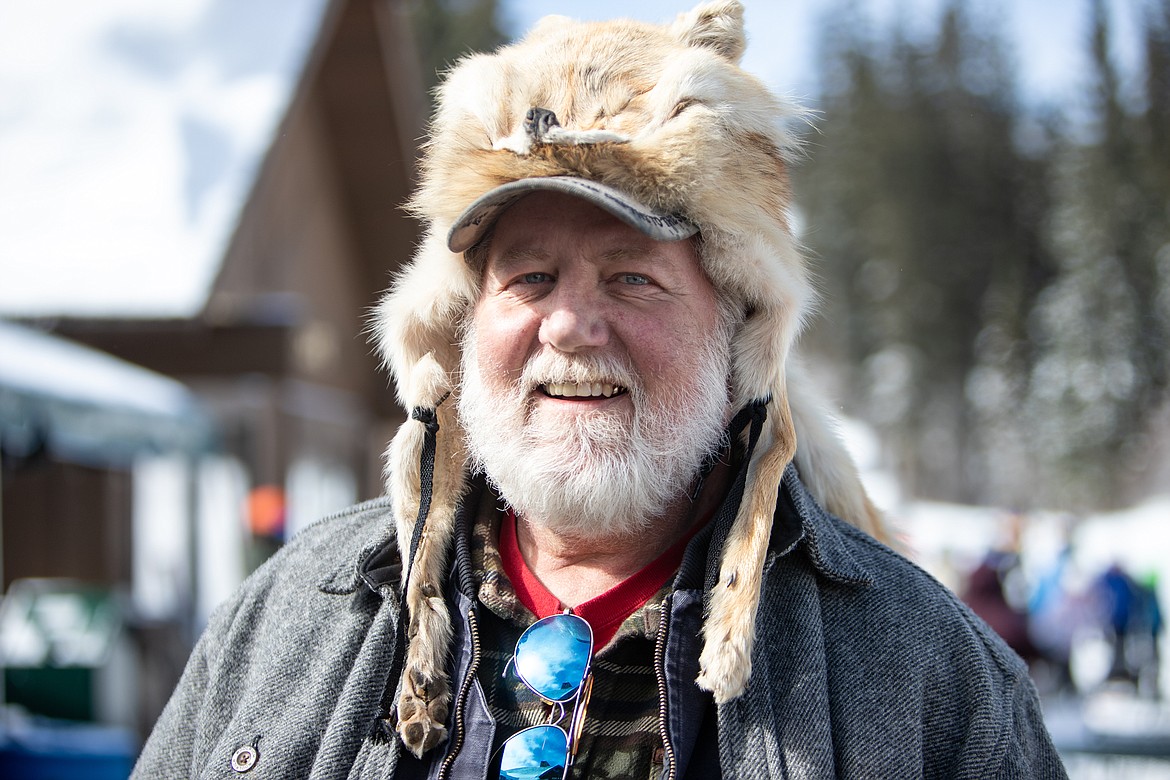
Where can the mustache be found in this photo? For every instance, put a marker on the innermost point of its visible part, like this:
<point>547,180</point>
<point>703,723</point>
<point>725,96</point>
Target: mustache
<point>551,367</point>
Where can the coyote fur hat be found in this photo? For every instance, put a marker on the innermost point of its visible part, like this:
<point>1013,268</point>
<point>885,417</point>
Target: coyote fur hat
<point>666,118</point>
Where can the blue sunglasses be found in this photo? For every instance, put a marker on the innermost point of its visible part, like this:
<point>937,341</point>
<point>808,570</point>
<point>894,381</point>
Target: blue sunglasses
<point>552,660</point>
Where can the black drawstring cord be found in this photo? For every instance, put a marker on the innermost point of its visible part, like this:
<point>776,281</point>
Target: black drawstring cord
<point>711,459</point>
<point>426,476</point>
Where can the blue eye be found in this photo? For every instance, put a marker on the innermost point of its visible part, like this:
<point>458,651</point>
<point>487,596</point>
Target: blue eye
<point>536,277</point>
<point>635,279</point>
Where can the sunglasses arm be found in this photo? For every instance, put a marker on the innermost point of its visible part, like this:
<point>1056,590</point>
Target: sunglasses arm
<point>579,715</point>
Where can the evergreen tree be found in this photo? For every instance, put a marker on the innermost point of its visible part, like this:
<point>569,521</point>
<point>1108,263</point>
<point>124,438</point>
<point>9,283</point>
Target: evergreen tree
<point>447,29</point>
<point>922,211</point>
<point>1102,325</point>
<point>1009,310</point>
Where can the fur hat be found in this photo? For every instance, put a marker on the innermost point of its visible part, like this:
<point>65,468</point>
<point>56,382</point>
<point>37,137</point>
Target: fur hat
<point>665,115</point>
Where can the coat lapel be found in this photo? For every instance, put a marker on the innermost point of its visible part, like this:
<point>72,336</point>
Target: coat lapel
<point>780,727</point>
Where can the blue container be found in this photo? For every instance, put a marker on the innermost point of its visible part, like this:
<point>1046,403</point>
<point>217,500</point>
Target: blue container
<point>54,750</point>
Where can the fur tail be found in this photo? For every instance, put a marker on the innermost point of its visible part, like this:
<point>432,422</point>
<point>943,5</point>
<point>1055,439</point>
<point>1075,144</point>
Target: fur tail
<point>828,470</point>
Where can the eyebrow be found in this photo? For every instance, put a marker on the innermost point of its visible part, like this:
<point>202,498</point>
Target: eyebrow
<point>513,257</point>
<point>618,254</point>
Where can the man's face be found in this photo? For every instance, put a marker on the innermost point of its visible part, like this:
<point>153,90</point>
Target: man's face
<point>595,367</point>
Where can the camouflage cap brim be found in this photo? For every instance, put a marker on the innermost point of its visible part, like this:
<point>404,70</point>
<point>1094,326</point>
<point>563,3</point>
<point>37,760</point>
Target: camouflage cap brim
<point>475,221</point>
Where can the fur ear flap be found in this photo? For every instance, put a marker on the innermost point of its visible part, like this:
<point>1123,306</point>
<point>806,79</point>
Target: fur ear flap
<point>729,631</point>
<point>716,25</point>
<point>425,690</point>
<point>416,323</point>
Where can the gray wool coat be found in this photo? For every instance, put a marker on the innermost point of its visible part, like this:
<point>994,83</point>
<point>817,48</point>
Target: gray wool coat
<point>864,667</point>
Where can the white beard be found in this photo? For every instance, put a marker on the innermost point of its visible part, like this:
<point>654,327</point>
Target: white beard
<point>601,474</point>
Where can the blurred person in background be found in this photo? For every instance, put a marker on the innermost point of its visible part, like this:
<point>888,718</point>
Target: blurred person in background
<point>1132,619</point>
<point>983,592</point>
<point>1057,612</point>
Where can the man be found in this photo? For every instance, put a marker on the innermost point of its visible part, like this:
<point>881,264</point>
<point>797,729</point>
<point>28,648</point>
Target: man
<point>613,480</point>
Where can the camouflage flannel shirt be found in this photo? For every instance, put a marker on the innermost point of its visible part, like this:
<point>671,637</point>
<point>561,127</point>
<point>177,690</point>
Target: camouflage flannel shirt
<point>621,739</point>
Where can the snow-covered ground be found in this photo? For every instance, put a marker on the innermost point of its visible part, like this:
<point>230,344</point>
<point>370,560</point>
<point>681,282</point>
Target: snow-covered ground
<point>949,540</point>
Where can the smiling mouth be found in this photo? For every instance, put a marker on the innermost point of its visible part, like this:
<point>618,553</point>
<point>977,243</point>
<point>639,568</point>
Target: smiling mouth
<point>582,390</point>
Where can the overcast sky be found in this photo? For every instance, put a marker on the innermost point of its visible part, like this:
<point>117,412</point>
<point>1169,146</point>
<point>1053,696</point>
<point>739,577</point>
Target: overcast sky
<point>130,129</point>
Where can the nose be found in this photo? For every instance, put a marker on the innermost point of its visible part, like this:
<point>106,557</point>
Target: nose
<point>573,322</point>
<point>538,121</point>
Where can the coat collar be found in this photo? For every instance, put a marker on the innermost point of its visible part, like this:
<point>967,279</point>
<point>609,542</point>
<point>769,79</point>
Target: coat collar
<point>801,521</point>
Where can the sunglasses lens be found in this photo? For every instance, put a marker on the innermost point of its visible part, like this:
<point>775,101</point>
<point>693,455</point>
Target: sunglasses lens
<point>537,752</point>
<point>553,654</point>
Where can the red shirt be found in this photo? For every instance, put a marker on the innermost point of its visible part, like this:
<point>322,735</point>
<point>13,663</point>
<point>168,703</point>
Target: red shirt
<point>606,612</point>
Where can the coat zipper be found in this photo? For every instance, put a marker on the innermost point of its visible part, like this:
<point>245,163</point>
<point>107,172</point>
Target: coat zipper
<point>660,673</point>
<point>461,700</point>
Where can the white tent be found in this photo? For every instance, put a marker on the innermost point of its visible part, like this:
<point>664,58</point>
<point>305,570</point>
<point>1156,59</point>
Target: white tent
<point>85,406</point>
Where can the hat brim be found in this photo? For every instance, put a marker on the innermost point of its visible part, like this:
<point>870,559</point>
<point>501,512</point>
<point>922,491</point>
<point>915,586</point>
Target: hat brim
<point>475,221</point>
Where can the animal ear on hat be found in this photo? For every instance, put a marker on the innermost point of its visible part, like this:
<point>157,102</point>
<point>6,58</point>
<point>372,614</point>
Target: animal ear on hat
<point>716,25</point>
<point>551,22</point>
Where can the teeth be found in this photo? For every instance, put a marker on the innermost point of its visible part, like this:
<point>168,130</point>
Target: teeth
<point>582,389</point>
